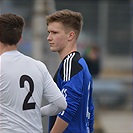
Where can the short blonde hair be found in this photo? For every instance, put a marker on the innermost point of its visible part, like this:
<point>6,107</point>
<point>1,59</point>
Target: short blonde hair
<point>68,18</point>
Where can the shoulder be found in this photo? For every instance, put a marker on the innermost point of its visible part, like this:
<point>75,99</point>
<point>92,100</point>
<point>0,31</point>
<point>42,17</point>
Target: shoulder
<point>73,56</point>
<point>34,62</point>
<point>71,65</point>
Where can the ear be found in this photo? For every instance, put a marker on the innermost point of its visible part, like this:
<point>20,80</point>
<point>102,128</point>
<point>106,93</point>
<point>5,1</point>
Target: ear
<point>71,35</point>
<point>20,39</point>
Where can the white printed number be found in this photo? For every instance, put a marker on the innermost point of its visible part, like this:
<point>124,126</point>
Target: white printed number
<point>65,95</point>
<point>26,105</point>
<point>64,92</point>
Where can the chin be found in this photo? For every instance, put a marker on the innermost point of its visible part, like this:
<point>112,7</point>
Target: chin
<point>53,50</point>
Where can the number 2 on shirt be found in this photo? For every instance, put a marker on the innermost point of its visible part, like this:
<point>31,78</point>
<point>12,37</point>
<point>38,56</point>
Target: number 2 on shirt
<point>26,105</point>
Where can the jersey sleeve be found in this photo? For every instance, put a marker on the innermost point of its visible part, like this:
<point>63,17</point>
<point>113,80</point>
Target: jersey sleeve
<point>72,90</point>
<point>50,90</point>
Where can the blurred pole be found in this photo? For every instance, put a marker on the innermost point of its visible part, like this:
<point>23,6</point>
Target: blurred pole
<point>39,29</point>
<point>103,27</point>
<point>40,44</point>
<point>41,50</point>
<point>132,26</point>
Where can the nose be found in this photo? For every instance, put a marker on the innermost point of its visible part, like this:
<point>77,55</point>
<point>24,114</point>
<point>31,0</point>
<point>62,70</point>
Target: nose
<point>49,37</point>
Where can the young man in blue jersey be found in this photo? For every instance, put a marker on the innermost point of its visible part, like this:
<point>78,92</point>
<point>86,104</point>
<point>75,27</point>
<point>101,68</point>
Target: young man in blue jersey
<point>72,77</point>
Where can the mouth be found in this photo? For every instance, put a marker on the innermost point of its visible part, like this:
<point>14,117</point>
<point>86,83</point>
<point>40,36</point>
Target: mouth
<point>51,44</point>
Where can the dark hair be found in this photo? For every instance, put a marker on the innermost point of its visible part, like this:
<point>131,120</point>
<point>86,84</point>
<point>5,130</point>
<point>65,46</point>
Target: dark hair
<point>11,27</point>
<point>68,18</point>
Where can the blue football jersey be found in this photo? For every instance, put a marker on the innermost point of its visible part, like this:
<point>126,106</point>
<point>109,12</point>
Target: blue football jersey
<point>75,82</point>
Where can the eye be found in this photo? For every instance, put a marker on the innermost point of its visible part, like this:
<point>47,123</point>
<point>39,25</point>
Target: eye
<point>54,32</point>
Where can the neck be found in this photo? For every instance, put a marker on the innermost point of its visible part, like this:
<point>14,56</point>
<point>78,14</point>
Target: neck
<point>5,48</point>
<point>65,52</point>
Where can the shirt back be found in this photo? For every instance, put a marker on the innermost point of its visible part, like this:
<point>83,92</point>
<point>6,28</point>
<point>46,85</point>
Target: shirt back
<point>23,82</point>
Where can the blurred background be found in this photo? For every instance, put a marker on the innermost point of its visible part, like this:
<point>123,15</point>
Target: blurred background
<point>105,43</point>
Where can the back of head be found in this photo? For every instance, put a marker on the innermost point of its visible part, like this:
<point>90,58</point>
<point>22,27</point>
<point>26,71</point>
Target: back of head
<point>11,27</point>
<point>68,18</point>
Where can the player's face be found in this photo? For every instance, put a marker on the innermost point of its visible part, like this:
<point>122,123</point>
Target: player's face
<point>57,38</point>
